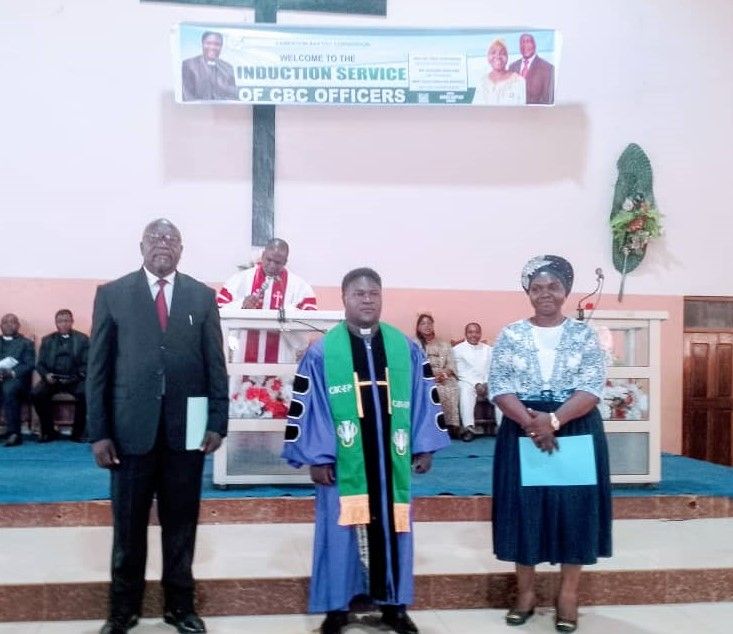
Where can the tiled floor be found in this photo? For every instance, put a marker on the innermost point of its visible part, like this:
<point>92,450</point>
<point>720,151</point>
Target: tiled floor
<point>696,618</point>
<point>284,550</point>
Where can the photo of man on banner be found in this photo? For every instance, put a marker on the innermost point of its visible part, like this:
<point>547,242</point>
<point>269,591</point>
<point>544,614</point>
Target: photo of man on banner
<point>206,77</point>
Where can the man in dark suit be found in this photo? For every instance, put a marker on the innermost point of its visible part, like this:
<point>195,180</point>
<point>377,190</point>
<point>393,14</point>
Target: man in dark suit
<point>17,357</point>
<point>206,77</point>
<point>155,345</point>
<point>62,366</point>
<point>538,73</point>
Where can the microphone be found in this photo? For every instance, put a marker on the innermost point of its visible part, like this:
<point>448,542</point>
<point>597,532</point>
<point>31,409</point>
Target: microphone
<point>598,289</point>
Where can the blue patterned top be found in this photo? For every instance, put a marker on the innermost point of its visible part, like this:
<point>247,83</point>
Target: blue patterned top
<point>515,367</point>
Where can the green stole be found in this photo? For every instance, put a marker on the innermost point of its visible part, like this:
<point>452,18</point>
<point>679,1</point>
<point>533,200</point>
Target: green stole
<point>344,398</point>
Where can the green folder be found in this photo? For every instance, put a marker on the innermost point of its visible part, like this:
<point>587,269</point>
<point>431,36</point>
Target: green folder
<point>197,415</point>
<point>573,464</point>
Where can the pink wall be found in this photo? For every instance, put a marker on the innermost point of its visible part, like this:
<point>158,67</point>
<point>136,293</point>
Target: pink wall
<point>36,300</point>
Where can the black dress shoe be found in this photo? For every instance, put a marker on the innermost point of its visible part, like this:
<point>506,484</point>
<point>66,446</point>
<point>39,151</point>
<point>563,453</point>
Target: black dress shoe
<point>119,625</point>
<point>49,437</point>
<point>184,621</point>
<point>398,620</point>
<point>334,622</point>
<point>14,440</point>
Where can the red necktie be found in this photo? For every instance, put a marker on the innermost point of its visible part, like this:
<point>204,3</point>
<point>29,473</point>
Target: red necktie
<point>160,306</point>
<point>525,68</point>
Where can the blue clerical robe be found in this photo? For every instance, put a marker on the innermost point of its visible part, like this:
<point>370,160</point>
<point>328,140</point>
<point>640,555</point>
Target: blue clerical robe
<point>339,572</point>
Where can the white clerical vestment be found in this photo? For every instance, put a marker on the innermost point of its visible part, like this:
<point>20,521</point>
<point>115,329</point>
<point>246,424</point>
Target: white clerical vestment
<point>287,290</point>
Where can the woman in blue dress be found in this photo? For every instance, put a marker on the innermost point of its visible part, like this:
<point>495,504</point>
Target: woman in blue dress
<point>547,376</point>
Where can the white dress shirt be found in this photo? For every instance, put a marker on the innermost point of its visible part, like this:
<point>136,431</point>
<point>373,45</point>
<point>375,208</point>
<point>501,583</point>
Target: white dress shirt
<point>155,287</point>
<point>472,362</point>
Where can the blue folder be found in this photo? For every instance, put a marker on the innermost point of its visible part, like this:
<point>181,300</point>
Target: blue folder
<point>197,415</point>
<point>574,463</point>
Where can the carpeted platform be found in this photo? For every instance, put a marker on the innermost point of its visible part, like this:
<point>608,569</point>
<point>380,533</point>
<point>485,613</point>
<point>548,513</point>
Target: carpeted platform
<point>65,472</point>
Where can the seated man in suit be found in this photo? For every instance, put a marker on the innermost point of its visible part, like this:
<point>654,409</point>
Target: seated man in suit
<point>17,356</point>
<point>62,366</point>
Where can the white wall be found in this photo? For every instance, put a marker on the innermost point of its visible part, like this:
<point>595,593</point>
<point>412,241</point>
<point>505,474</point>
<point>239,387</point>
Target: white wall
<point>92,146</point>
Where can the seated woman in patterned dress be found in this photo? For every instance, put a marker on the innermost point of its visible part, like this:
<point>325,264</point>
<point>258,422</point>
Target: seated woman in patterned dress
<point>547,375</point>
<point>440,356</point>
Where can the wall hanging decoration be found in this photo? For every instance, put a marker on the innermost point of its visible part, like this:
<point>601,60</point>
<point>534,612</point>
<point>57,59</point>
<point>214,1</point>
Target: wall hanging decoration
<point>635,219</point>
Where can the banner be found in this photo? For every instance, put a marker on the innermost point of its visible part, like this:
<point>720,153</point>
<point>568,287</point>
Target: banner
<point>285,65</point>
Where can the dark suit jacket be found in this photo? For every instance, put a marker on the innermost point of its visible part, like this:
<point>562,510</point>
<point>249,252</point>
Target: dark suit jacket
<point>540,80</point>
<point>136,371</point>
<point>49,348</point>
<point>22,350</point>
<point>203,81</point>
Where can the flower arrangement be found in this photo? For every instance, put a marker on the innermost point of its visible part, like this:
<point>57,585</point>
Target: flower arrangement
<point>260,397</point>
<point>635,224</point>
<point>634,220</point>
<point>623,401</point>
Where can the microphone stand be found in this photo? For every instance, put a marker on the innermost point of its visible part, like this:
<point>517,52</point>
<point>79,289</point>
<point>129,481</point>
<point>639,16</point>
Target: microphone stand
<point>597,290</point>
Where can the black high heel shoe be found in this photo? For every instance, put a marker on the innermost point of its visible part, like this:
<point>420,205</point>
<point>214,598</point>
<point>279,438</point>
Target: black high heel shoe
<point>563,624</point>
<point>518,617</point>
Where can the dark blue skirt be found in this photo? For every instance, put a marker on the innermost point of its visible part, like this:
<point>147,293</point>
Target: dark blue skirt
<point>556,524</point>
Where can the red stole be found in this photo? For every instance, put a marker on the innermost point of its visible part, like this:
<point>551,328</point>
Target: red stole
<point>277,298</point>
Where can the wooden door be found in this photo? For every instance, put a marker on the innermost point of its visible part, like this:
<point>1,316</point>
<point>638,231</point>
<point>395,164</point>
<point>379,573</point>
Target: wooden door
<point>707,432</point>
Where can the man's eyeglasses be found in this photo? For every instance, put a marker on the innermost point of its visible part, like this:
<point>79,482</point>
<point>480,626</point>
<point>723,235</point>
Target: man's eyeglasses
<point>162,237</point>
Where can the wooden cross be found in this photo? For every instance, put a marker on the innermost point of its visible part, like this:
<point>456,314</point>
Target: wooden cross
<point>263,117</point>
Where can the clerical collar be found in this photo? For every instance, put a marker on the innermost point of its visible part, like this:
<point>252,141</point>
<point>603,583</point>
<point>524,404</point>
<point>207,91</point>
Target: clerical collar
<point>363,333</point>
<point>8,338</point>
<point>65,336</point>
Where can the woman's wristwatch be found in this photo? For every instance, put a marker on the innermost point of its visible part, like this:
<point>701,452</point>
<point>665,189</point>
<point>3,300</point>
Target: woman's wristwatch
<point>554,421</point>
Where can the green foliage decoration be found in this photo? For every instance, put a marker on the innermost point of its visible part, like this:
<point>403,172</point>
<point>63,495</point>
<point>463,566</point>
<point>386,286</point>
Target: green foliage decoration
<point>634,219</point>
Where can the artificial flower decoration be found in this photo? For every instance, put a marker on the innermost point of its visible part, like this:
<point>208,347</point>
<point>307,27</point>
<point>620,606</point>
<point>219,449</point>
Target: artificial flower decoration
<point>623,400</point>
<point>635,219</point>
<point>636,224</point>
<point>260,397</point>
